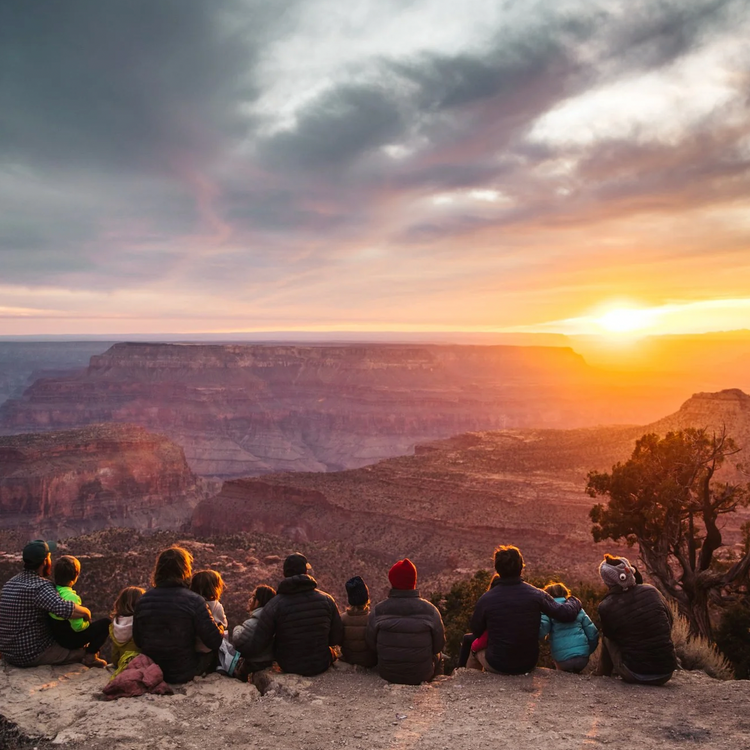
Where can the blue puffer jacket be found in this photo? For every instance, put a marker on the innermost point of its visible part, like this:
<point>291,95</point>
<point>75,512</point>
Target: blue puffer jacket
<point>570,639</point>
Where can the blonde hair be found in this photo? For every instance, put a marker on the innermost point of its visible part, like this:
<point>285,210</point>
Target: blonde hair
<point>557,590</point>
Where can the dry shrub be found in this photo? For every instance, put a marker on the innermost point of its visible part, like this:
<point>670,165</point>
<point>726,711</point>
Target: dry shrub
<point>696,651</point>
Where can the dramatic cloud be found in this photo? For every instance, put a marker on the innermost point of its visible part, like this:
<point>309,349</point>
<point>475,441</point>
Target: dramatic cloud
<point>190,165</point>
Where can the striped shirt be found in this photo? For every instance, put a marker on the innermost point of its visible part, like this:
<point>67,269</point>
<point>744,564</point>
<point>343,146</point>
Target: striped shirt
<point>26,602</point>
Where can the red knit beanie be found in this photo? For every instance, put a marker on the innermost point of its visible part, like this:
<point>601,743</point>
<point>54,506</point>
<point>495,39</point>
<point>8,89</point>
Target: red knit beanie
<point>403,575</point>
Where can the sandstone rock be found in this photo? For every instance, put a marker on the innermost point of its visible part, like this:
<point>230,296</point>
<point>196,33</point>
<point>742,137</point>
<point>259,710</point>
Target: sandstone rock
<point>98,476</point>
<point>247,410</point>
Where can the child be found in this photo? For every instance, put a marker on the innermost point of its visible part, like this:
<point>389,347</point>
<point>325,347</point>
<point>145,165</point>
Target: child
<point>210,585</point>
<point>78,633</point>
<point>121,629</point>
<point>258,599</point>
<point>354,647</point>
<point>571,642</point>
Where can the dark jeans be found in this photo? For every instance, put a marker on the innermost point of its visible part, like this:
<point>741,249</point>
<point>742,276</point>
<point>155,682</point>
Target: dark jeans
<point>92,638</point>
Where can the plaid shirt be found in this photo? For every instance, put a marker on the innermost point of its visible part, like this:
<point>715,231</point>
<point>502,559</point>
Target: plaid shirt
<point>25,604</point>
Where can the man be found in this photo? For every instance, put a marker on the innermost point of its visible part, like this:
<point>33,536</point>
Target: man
<point>511,613</point>
<point>637,627</point>
<point>405,630</point>
<point>26,602</point>
<point>300,623</point>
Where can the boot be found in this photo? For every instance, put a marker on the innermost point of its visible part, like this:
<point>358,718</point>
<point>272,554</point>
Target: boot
<point>93,660</point>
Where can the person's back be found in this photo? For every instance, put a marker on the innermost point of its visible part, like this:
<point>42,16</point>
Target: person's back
<point>511,614</point>
<point>26,602</point>
<point>169,617</point>
<point>300,622</point>
<point>571,643</point>
<point>637,626</point>
<point>639,622</point>
<point>405,631</point>
<point>354,648</point>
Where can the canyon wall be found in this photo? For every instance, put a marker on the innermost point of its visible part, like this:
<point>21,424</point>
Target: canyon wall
<point>453,501</point>
<point>104,475</point>
<point>245,410</point>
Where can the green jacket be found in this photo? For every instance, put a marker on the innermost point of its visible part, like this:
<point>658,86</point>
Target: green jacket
<point>69,595</point>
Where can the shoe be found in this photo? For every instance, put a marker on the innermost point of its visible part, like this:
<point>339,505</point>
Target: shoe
<point>93,660</point>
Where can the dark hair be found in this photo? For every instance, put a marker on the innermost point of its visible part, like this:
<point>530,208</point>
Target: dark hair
<point>557,590</point>
<point>263,594</point>
<point>67,569</point>
<point>208,583</point>
<point>508,561</point>
<point>493,581</point>
<point>126,601</point>
<point>174,566</point>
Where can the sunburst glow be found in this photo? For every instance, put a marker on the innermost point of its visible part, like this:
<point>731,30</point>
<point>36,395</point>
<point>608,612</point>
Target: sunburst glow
<point>625,320</point>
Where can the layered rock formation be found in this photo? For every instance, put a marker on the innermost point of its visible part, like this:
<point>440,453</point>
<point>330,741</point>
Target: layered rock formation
<point>452,502</point>
<point>247,410</point>
<point>99,476</point>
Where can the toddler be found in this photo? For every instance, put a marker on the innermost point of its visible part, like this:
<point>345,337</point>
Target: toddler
<point>121,629</point>
<point>77,633</point>
<point>571,643</point>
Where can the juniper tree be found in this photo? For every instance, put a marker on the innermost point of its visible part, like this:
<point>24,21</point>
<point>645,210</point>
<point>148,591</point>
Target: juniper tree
<point>666,498</point>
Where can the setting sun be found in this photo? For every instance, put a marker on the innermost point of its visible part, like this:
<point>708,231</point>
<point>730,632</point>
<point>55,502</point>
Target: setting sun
<point>625,320</point>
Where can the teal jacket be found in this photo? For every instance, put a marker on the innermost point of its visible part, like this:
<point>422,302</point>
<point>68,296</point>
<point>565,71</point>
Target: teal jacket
<point>570,639</point>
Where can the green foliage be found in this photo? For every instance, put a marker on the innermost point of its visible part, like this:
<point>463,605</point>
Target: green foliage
<point>456,607</point>
<point>665,498</point>
<point>733,638</point>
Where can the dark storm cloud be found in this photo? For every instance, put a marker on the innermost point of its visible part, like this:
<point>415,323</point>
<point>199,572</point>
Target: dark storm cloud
<point>133,85</point>
<point>145,115</point>
<point>340,125</point>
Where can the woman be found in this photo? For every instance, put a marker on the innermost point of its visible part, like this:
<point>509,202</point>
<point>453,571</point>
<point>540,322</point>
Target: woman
<point>170,616</point>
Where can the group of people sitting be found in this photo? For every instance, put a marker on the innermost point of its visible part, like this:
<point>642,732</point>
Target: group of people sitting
<point>180,623</point>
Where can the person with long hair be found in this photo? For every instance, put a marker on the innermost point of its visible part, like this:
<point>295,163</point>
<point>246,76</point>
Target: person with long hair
<point>169,617</point>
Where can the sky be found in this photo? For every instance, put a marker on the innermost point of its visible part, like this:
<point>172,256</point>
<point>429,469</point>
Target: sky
<point>564,166</point>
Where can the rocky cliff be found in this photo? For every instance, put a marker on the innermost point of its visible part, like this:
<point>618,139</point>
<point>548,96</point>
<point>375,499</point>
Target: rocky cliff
<point>354,708</point>
<point>99,476</point>
<point>247,410</point>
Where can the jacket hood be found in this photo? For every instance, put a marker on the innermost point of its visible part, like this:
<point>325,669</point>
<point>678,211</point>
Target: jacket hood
<point>297,584</point>
<point>122,628</point>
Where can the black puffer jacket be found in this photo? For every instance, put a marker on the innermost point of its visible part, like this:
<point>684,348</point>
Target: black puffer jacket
<point>406,632</point>
<point>166,623</point>
<point>511,613</point>
<point>301,623</point>
<point>640,623</point>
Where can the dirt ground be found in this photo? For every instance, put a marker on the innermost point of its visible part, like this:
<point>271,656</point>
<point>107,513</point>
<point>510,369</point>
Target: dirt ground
<point>346,707</point>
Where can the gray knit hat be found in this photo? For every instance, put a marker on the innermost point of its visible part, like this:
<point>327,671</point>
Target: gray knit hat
<point>617,571</point>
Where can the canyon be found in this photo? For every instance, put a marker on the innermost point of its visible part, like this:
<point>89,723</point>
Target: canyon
<point>446,507</point>
<point>72,481</point>
<point>244,410</point>
<point>454,500</point>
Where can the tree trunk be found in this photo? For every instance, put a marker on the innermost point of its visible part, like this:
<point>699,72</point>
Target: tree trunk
<point>700,622</point>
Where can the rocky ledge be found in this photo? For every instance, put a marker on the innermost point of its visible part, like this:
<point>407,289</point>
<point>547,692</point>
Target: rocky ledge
<point>346,707</point>
<point>103,475</point>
